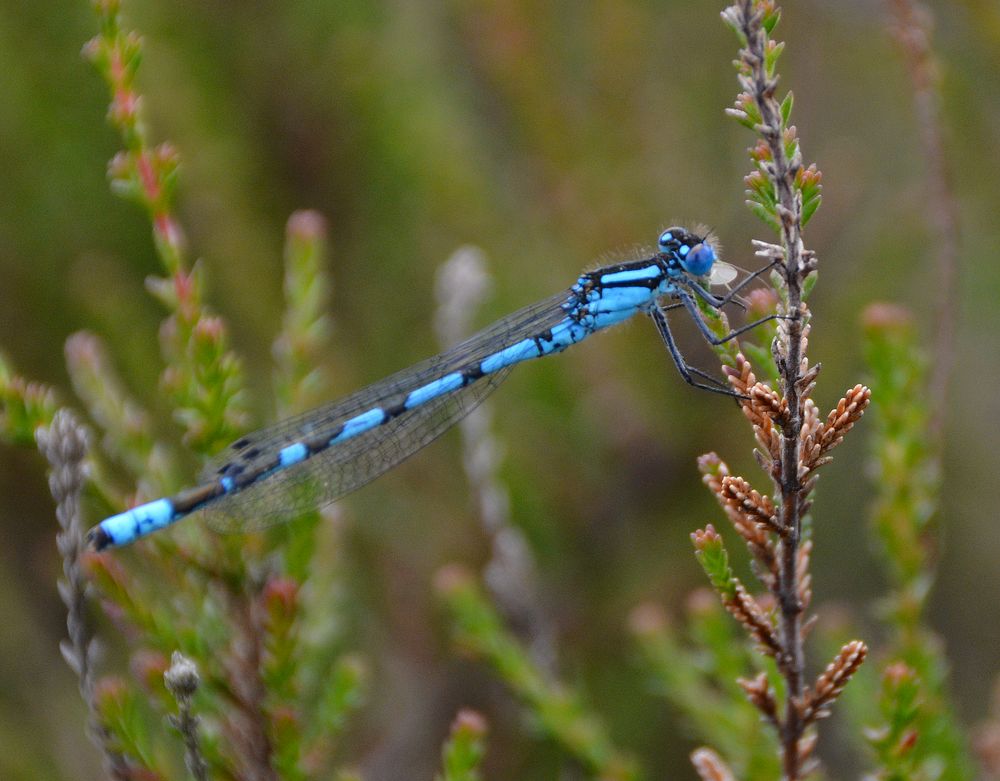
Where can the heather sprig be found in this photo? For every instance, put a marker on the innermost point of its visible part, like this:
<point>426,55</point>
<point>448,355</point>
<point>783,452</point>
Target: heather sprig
<point>275,687</point>
<point>896,738</point>
<point>714,559</point>
<point>301,380</point>
<point>24,406</point>
<point>463,752</point>
<point>908,472</point>
<point>919,736</point>
<point>913,25</point>
<point>182,681</point>
<point>757,520</point>
<point>203,377</point>
<point>64,443</point>
<point>793,440</point>
<point>127,427</point>
<point>559,712</point>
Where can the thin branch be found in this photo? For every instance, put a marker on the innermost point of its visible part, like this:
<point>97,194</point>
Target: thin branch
<point>182,681</point>
<point>791,362</point>
<point>913,30</point>
<point>247,723</point>
<point>64,445</point>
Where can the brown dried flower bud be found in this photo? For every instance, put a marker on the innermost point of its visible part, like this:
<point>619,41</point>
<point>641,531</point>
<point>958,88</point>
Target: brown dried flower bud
<point>710,766</point>
<point>832,681</point>
<point>759,692</point>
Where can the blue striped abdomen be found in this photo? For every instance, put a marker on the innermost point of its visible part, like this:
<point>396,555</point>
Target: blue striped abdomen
<point>322,454</point>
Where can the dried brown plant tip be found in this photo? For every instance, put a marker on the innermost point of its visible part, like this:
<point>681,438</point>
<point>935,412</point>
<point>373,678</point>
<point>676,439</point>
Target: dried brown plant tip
<point>829,685</point>
<point>744,608</point>
<point>751,526</point>
<point>810,433</point>
<point>841,420</point>
<point>818,440</point>
<point>766,402</point>
<point>807,744</point>
<point>713,469</point>
<point>808,380</point>
<point>768,436</point>
<point>802,576</point>
<point>741,377</point>
<point>759,692</point>
<point>753,508</point>
<point>710,766</point>
<point>762,403</point>
<point>182,681</point>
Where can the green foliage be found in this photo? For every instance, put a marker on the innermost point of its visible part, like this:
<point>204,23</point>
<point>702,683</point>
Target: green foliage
<point>712,555</point>
<point>557,711</point>
<point>894,742</point>
<point>807,182</point>
<point>301,381</point>
<point>277,688</point>
<point>464,749</point>
<point>343,694</point>
<point>920,737</point>
<point>203,377</point>
<point>24,406</point>
<point>128,428</point>
<point>699,677</point>
<point>786,107</point>
<point>124,711</point>
<point>763,194</point>
<point>906,458</point>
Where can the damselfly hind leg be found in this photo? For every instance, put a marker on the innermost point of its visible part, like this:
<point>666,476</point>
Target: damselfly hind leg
<point>688,302</point>
<point>688,373</point>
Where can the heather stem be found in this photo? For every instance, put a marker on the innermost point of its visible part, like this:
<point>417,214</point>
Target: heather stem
<point>781,170</point>
<point>912,22</point>
<point>64,444</point>
<point>248,719</point>
<point>182,682</point>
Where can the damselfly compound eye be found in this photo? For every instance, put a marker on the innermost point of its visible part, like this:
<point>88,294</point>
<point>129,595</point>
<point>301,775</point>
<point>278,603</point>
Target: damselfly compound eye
<point>699,259</point>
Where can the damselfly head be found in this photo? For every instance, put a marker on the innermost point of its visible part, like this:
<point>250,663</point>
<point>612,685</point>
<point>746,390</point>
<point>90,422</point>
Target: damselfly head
<point>695,253</point>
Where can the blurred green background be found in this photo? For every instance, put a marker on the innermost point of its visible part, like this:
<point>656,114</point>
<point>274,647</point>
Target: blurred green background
<point>551,134</point>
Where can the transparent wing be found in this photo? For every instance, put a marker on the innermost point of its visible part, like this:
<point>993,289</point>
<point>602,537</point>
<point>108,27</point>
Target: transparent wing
<point>722,273</point>
<point>327,476</point>
<point>341,469</point>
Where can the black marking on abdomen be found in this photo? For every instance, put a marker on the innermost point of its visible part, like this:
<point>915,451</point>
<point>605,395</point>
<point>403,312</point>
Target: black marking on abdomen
<point>472,373</point>
<point>393,411</point>
<point>230,469</point>
<point>251,476</point>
